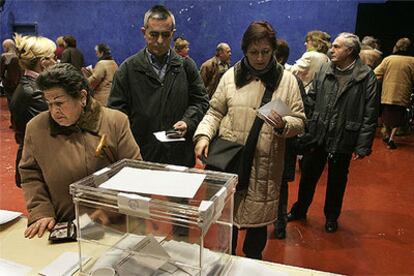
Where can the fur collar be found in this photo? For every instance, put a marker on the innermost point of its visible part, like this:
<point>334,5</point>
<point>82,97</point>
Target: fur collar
<point>271,79</point>
<point>89,121</point>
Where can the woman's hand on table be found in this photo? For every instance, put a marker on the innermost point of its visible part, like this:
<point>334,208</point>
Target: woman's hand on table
<point>39,227</point>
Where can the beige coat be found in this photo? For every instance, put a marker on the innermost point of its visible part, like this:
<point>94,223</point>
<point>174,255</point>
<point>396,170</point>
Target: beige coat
<point>101,79</point>
<point>232,112</point>
<point>51,163</point>
<point>397,75</point>
<point>307,66</point>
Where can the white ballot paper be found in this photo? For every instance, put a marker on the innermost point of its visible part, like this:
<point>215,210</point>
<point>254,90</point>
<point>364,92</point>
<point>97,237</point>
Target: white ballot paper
<point>162,137</point>
<point>12,268</point>
<point>112,257</point>
<point>167,183</point>
<point>6,216</point>
<point>147,257</point>
<point>246,266</point>
<point>65,265</point>
<point>280,107</point>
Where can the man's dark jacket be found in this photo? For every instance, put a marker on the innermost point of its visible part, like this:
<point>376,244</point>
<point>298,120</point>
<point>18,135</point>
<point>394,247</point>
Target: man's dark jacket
<point>344,121</point>
<point>26,103</point>
<point>73,56</point>
<point>153,105</point>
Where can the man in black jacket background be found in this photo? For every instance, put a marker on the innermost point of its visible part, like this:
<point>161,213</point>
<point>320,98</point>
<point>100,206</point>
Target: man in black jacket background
<point>342,124</point>
<point>159,90</point>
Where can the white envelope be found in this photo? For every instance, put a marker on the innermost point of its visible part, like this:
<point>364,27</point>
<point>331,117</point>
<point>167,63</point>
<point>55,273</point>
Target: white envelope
<point>279,106</point>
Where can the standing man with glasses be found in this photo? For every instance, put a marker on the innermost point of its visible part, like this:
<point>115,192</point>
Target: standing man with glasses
<point>159,90</point>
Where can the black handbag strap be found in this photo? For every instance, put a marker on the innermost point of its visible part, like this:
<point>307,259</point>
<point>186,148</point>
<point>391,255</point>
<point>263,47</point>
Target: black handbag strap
<point>246,160</point>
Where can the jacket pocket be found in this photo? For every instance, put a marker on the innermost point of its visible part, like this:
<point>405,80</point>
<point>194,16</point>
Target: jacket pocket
<point>350,135</point>
<point>308,140</point>
<point>352,126</point>
<point>311,124</point>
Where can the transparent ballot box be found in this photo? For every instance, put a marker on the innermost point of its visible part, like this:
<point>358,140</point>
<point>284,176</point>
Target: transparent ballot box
<point>142,218</point>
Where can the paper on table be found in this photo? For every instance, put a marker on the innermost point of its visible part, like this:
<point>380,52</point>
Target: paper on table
<point>279,106</point>
<point>66,264</point>
<point>151,256</point>
<point>109,259</point>
<point>245,266</point>
<point>167,183</point>
<point>12,268</point>
<point>6,216</point>
<point>162,137</point>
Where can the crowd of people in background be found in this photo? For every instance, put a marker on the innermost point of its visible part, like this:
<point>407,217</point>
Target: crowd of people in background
<point>337,92</point>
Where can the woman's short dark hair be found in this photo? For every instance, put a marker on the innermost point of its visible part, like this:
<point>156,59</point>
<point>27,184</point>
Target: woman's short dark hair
<point>65,76</point>
<point>70,41</point>
<point>103,48</point>
<point>282,51</point>
<point>258,30</point>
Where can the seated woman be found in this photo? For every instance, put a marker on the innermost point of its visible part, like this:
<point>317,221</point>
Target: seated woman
<point>100,78</point>
<point>61,146</point>
<point>231,116</point>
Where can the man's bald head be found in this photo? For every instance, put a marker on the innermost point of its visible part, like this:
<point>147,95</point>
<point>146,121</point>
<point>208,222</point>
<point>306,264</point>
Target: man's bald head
<point>223,52</point>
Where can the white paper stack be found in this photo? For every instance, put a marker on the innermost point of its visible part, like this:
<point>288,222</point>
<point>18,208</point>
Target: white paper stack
<point>6,216</point>
<point>65,265</point>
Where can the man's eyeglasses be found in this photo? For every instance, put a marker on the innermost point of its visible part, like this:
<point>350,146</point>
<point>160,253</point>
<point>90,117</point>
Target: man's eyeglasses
<point>155,35</point>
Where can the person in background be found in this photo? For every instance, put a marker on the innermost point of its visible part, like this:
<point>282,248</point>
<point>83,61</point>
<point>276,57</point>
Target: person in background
<point>36,53</point>
<point>233,109</point>
<point>100,78</point>
<point>159,91</point>
<point>317,45</point>
<point>10,71</point>
<point>282,52</point>
<point>71,54</point>
<point>282,55</point>
<point>342,125</point>
<point>60,47</point>
<point>370,53</point>
<point>397,75</point>
<point>212,69</point>
<point>61,143</point>
<point>182,46</point>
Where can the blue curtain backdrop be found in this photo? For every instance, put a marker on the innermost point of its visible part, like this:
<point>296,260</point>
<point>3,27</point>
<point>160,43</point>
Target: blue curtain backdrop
<point>204,23</point>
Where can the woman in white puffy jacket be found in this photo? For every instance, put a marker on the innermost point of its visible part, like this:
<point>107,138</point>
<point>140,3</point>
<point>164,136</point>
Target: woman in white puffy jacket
<point>317,45</point>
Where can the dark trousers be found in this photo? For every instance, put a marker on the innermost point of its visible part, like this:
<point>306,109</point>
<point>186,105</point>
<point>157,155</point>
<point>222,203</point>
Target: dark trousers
<point>313,164</point>
<point>282,207</point>
<point>254,242</point>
